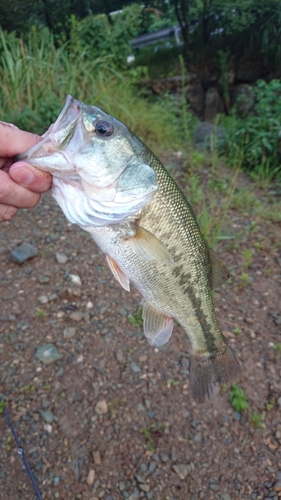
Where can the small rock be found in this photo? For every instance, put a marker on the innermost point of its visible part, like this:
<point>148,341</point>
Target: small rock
<point>152,466</point>
<point>164,457</point>
<point>91,477</point>
<point>48,353</point>
<point>48,428</point>
<point>197,438</point>
<point>97,457</point>
<point>277,486</point>
<point>236,415</point>
<point>101,407</point>
<point>225,496</point>
<point>134,367</point>
<point>140,479</point>
<point>43,279</point>
<point>43,299</point>
<point>69,332</point>
<point>75,280</point>
<point>76,316</point>
<point>48,416</point>
<point>23,252</point>
<point>140,407</point>
<point>89,305</point>
<point>144,487</point>
<point>214,487</point>
<point>61,258</point>
<point>279,402</point>
<point>14,337</point>
<point>181,470</point>
<point>119,356</point>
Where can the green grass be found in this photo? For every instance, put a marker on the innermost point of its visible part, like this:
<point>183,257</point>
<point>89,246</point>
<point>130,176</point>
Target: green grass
<point>36,77</point>
<point>238,398</point>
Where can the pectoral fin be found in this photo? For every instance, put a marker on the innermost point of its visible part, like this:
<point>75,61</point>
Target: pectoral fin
<point>118,274</point>
<point>220,272</point>
<point>148,247</point>
<point>157,326</point>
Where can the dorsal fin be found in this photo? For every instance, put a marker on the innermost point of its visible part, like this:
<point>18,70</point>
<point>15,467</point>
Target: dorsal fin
<point>220,272</point>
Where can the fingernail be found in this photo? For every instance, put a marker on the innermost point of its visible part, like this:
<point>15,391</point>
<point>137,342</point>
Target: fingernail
<point>22,175</point>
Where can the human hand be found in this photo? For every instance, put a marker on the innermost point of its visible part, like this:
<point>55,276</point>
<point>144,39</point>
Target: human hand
<point>20,183</point>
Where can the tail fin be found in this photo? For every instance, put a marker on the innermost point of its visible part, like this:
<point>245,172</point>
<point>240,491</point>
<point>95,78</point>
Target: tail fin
<point>209,371</point>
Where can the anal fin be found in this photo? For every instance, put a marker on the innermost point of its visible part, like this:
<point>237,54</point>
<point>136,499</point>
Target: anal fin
<point>118,274</point>
<point>157,326</point>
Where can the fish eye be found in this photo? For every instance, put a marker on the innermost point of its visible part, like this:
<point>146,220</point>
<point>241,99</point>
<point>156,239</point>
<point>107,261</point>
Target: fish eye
<point>104,128</point>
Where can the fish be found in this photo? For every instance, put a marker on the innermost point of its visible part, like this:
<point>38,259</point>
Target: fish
<point>112,185</point>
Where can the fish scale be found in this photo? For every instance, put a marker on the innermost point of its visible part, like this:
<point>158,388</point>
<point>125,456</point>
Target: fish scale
<point>110,184</point>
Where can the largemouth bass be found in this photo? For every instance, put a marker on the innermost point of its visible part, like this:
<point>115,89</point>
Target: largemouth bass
<point>110,184</point>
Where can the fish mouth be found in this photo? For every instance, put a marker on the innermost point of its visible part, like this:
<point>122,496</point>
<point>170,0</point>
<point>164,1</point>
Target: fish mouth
<point>49,152</point>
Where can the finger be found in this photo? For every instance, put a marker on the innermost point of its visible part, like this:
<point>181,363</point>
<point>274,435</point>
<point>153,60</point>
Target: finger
<point>14,195</point>
<point>14,141</point>
<point>7,212</point>
<point>27,176</point>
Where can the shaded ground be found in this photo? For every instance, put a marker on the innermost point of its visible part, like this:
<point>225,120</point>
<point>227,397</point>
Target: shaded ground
<point>115,404</point>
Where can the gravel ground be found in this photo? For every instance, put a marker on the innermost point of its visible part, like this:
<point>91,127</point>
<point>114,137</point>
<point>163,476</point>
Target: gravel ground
<point>112,417</point>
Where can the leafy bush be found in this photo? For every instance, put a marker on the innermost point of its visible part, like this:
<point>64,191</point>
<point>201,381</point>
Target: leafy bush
<point>102,35</point>
<point>254,141</point>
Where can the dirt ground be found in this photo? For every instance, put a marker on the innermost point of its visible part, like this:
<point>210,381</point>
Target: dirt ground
<point>113,418</point>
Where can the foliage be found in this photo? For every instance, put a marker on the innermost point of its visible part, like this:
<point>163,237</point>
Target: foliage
<point>238,398</point>
<point>257,420</point>
<point>254,142</point>
<point>103,36</point>
<point>148,434</point>
<point>136,320</point>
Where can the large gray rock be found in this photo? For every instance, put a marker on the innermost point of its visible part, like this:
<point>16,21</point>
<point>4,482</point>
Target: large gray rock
<point>213,104</point>
<point>205,132</point>
<point>196,97</point>
<point>23,252</point>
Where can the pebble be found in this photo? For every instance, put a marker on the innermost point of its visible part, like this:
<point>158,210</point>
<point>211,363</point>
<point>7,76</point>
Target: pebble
<point>225,496</point>
<point>134,367</point>
<point>214,487</point>
<point>101,407</point>
<point>144,487</point>
<point>91,477</point>
<point>140,479</point>
<point>23,252</point>
<point>75,280</point>
<point>181,470</point>
<point>197,438</point>
<point>164,457</point>
<point>277,486</point>
<point>279,402</point>
<point>14,337</point>
<point>69,332</point>
<point>236,416</point>
<point>61,258</point>
<point>48,416</point>
<point>43,299</point>
<point>48,353</point>
<point>48,428</point>
<point>152,466</point>
<point>119,356</point>
<point>97,457</point>
<point>76,316</point>
<point>43,279</point>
